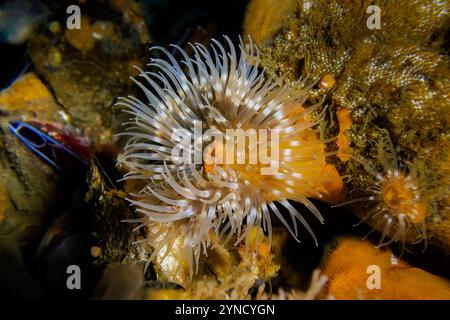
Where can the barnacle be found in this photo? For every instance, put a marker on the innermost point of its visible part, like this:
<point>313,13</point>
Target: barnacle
<point>186,199</point>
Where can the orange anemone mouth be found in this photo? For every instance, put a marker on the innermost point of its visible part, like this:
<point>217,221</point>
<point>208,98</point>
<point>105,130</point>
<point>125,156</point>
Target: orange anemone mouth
<point>401,197</point>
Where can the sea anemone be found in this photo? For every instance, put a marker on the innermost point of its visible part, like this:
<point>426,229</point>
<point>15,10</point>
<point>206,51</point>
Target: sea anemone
<point>184,199</point>
<point>394,199</point>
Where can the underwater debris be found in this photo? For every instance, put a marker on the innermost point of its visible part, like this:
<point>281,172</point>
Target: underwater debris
<point>221,91</point>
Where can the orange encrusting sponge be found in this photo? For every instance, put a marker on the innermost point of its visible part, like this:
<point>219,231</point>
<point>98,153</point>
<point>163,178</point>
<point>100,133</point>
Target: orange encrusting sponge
<point>347,269</point>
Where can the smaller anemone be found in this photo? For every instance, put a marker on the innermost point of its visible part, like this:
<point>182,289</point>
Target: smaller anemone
<point>394,201</point>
